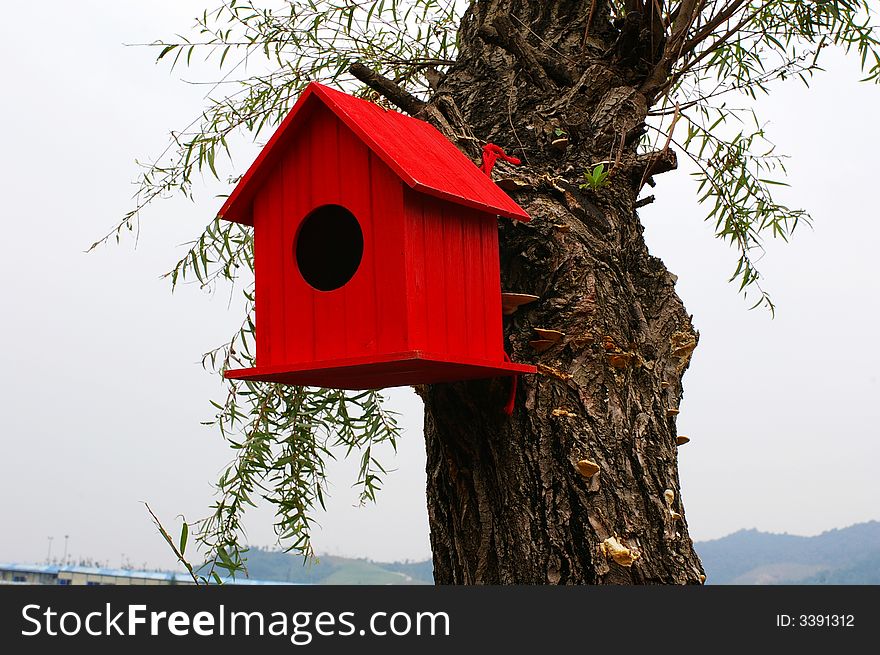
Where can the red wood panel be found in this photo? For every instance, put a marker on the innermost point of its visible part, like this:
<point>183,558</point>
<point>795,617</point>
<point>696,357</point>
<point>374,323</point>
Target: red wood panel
<point>325,174</point>
<point>298,298</point>
<point>390,277</point>
<point>435,276</point>
<point>453,262</point>
<point>416,271</point>
<point>268,273</point>
<point>328,164</point>
<point>491,283</point>
<point>361,326</point>
<point>262,290</point>
<point>473,296</point>
<point>453,292</point>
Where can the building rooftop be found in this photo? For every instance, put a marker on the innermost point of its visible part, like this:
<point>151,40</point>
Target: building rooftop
<point>169,576</point>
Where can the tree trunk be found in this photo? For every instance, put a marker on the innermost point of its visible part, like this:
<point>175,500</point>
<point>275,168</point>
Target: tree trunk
<point>507,502</point>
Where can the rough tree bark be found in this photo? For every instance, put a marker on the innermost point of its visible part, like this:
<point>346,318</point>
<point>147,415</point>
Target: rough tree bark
<point>506,501</point>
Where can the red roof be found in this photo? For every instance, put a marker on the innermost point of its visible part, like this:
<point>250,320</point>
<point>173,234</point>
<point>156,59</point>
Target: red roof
<point>415,150</point>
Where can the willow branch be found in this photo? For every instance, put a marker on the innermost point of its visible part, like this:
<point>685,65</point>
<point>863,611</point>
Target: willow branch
<point>714,22</point>
<point>717,43</point>
<point>686,16</point>
<point>387,89</point>
<point>688,11</point>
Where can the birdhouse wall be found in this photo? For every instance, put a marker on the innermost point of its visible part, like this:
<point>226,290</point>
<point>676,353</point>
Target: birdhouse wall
<point>326,164</point>
<point>452,277</point>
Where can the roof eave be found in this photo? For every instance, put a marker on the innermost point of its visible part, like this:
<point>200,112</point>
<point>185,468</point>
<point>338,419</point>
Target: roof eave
<point>511,212</point>
<point>238,206</point>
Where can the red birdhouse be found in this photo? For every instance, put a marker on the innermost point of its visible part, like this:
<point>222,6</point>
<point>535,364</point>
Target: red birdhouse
<point>375,251</point>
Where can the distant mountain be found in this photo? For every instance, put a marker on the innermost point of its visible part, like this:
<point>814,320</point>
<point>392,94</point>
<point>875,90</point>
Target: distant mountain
<point>330,569</point>
<point>846,556</point>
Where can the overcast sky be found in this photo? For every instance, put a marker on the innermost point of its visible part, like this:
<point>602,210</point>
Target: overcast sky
<point>102,391</point>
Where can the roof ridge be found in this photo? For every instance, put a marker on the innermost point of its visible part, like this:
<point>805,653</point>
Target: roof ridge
<point>419,154</point>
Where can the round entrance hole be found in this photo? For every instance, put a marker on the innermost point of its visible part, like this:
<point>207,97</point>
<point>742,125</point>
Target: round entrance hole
<point>329,247</point>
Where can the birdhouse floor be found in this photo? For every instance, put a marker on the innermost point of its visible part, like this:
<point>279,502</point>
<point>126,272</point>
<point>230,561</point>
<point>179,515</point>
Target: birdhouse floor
<point>376,372</point>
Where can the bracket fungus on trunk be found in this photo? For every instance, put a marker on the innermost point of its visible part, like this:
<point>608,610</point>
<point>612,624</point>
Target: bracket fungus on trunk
<point>510,302</point>
<point>546,339</point>
<point>621,554</point>
<point>560,145</point>
<point>587,468</point>
<point>669,497</point>
<point>513,184</point>
<point>549,335</point>
<point>541,345</point>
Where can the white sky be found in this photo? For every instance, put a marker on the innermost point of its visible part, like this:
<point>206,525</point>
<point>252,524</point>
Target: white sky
<point>102,391</point>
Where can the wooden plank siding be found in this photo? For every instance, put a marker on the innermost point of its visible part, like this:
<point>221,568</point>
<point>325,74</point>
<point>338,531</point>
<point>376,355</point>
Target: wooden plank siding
<point>296,323</point>
<point>453,291</point>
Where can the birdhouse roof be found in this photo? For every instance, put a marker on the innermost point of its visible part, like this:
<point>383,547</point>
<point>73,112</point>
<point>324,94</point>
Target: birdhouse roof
<point>416,151</point>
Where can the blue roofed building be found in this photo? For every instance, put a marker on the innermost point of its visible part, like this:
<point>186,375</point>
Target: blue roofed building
<point>59,574</point>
